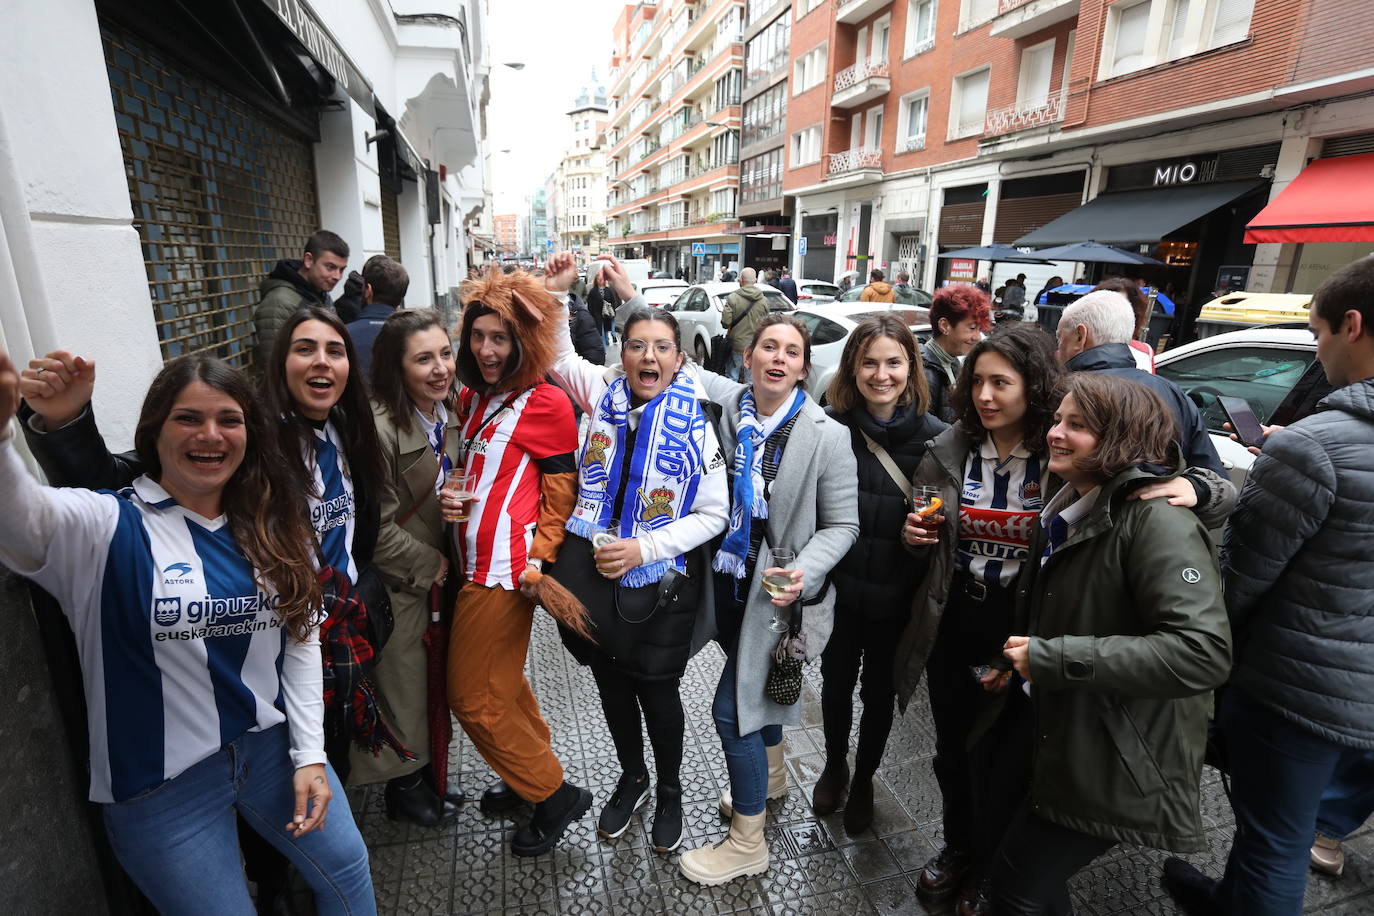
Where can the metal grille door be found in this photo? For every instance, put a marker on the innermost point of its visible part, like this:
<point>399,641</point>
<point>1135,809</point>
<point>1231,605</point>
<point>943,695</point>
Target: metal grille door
<point>219,193</point>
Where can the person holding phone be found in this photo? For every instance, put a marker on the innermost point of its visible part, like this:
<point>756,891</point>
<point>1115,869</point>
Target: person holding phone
<point>193,598</point>
<point>652,482</point>
<point>1122,635</point>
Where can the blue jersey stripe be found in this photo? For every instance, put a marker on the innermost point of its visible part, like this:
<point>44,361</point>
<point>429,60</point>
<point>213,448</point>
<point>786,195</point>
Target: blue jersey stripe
<point>334,514</point>
<point>134,715</point>
<point>226,570</point>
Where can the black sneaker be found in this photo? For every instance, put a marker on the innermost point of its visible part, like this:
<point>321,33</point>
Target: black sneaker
<point>666,834</point>
<point>1190,888</point>
<point>552,817</point>
<point>631,792</point>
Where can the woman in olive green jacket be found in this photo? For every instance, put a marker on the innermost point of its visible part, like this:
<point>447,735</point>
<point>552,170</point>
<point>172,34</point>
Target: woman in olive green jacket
<point>1127,636</point>
<point>412,382</point>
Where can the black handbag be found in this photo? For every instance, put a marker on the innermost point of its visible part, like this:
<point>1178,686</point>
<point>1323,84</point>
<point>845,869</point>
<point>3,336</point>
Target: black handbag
<point>784,683</point>
<point>381,620</point>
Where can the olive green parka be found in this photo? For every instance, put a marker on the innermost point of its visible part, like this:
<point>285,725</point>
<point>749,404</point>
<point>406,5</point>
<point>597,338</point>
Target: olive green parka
<point>1129,636</point>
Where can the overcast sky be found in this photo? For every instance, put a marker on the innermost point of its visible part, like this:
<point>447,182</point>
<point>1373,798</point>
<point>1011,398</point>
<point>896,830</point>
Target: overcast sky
<point>559,44</point>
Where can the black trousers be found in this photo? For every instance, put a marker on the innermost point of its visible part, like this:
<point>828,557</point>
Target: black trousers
<point>629,703</point>
<point>860,651</point>
<point>983,782</point>
<point>1030,871</point>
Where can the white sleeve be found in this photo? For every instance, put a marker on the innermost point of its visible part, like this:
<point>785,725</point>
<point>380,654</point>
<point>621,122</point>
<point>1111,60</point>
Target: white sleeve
<point>302,681</point>
<point>585,381</point>
<point>719,389</point>
<point>59,538</point>
<point>708,518</point>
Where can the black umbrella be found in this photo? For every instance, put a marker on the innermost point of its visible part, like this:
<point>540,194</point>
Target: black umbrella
<point>1091,252</point>
<point>995,253</point>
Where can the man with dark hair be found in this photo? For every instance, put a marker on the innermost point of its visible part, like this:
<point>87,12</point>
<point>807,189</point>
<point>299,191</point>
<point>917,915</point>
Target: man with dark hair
<point>787,286</point>
<point>294,284</point>
<point>877,290</point>
<point>385,283</point>
<point>1299,580</point>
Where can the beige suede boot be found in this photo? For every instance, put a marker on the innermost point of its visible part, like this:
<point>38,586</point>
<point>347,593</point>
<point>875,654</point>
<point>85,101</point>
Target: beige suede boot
<point>777,781</point>
<point>742,852</point>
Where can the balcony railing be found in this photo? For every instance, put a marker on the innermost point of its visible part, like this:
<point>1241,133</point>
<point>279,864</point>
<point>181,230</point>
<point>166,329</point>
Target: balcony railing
<point>911,144</point>
<point>852,76</point>
<point>1006,6</point>
<point>1022,116</point>
<point>854,160</point>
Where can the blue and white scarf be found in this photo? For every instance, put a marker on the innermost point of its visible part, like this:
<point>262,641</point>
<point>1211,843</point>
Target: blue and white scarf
<point>748,501</point>
<point>436,434</point>
<point>665,467</point>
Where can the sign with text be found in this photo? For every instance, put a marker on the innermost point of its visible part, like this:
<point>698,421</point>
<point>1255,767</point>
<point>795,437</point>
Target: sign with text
<point>801,247</point>
<point>963,269</point>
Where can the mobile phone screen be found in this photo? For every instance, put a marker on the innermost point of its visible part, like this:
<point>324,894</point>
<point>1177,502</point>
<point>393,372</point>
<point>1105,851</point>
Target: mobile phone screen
<point>1243,420</point>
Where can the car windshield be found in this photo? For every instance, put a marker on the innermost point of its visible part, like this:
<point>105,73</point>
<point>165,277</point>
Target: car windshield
<point>1263,376</point>
<point>777,302</point>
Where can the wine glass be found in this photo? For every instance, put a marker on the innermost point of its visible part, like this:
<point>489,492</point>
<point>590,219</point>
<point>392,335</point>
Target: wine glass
<point>777,583</point>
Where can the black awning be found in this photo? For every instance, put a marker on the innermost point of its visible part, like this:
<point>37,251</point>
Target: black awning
<point>1137,217</point>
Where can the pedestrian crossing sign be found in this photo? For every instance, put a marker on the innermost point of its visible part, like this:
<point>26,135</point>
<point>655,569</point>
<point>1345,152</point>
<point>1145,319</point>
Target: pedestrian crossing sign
<point>698,249</point>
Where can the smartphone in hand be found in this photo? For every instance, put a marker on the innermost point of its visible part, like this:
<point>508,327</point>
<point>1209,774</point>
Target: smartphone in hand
<point>1243,420</point>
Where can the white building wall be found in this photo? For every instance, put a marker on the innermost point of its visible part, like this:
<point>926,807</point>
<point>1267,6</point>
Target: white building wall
<point>77,265</point>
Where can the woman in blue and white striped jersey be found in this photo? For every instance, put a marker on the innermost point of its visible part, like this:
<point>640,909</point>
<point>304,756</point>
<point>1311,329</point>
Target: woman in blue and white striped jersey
<point>194,602</point>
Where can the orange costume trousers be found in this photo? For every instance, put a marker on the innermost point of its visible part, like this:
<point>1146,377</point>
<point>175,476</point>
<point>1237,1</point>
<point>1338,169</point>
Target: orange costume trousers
<point>489,694</point>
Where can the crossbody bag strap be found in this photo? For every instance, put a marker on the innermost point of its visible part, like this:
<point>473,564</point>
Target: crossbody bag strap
<point>752,305</point>
<point>903,483</point>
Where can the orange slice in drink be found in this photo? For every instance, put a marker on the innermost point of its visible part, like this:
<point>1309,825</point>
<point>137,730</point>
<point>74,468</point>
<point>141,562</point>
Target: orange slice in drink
<point>935,504</point>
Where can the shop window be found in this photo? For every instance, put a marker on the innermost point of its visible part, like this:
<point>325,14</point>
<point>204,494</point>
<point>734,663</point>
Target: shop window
<point>218,192</point>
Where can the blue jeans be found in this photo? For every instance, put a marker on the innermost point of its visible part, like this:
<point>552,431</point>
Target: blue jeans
<point>735,368</point>
<point>1278,773</point>
<point>179,840</point>
<point>746,756</point>
<point>1349,799</point>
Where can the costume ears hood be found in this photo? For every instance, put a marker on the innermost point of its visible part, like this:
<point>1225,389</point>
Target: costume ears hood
<point>528,311</point>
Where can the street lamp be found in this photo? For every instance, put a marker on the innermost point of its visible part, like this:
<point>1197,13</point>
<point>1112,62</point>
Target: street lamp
<point>514,64</point>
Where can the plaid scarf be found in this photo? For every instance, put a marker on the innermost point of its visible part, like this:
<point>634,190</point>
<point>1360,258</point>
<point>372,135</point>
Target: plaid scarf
<point>352,705</point>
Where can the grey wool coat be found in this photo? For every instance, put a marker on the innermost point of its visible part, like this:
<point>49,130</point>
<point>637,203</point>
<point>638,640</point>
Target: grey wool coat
<point>814,511</point>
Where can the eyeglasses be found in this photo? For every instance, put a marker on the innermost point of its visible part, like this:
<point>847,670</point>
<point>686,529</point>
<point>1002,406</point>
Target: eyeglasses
<point>638,347</point>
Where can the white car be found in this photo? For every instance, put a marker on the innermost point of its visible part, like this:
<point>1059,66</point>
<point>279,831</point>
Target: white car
<point>830,327</point>
<point>814,291</point>
<point>1274,368</point>
<point>698,309</point>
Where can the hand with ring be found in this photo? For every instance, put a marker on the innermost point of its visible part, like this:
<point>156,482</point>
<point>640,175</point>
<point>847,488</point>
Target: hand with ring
<point>618,557</point>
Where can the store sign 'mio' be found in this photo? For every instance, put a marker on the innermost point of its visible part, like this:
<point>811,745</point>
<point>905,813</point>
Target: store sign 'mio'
<point>1186,172</point>
<point>301,20</point>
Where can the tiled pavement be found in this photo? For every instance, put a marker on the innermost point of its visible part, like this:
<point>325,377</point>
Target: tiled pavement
<point>466,866</point>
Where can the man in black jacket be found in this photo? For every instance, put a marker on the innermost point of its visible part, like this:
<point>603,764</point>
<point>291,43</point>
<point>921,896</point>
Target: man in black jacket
<point>586,333</point>
<point>385,283</point>
<point>1093,334</point>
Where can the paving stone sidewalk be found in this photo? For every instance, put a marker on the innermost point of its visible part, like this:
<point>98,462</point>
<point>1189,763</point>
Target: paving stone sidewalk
<point>466,866</point>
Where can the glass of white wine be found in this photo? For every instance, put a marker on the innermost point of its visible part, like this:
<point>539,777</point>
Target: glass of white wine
<point>776,583</point>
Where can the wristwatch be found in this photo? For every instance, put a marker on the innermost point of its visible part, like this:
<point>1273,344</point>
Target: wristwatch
<point>537,563</point>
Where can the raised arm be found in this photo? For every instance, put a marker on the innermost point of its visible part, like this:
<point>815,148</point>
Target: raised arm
<point>60,429</point>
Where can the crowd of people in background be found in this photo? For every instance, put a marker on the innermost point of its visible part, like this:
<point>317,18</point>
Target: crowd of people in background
<point>1020,521</point>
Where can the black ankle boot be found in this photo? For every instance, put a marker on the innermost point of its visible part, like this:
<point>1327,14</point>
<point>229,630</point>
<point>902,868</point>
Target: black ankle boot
<point>552,817</point>
<point>410,798</point>
<point>451,799</point>
<point>666,833</point>
<point>500,798</point>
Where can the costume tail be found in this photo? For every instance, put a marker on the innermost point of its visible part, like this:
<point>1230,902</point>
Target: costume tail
<point>561,604</point>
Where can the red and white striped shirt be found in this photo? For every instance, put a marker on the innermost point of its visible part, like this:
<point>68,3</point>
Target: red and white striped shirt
<point>502,452</point>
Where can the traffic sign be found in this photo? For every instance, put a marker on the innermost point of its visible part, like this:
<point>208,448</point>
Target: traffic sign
<point>548,244</point>
<point>801,247</point>
<point>698,249</point>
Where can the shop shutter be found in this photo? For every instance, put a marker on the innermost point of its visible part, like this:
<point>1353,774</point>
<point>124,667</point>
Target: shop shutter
<point>1023,215</point>
<point>961,224</point>
<point>1355,145</point>
<point>219,194</point>
<point>391,225</point>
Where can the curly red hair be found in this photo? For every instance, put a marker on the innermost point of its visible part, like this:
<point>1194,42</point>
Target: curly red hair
<point>958,303</point>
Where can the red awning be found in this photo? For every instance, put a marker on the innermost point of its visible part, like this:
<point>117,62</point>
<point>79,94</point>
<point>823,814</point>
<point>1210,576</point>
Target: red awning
<point>1332,200</point>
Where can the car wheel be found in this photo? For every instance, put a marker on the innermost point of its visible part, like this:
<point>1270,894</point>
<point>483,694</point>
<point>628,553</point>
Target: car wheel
<point>701,352</point>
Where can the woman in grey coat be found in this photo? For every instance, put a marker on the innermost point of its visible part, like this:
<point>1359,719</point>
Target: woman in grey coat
<point>793,486</point>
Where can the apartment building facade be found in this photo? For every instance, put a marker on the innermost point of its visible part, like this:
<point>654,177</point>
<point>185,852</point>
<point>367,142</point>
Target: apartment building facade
<point>1164,126</point>
<point>765,212</point>
<point>672,138</point>
<point>581,175</point>
<point>506,227</point>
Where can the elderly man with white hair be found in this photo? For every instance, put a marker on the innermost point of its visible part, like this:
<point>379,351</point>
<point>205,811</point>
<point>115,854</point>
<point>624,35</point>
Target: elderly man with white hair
<point>1094,335</point>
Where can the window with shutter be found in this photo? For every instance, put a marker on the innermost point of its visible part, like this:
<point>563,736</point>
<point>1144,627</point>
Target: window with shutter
<point>1036,64</point>
<point>1232,22</point>
<point>1128,51</point>
<point>972,90</point>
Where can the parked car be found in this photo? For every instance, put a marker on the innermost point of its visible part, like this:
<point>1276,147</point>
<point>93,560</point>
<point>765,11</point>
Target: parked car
<point>830,326</point>
<point>697,310</point>
<point>816,291</point>
<point>916,297</point>
<point>1273,368</point>
<point>659,294</point>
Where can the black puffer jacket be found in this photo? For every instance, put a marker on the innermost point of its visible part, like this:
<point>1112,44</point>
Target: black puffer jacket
<point>586,332</point>
<point>876,579</point>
